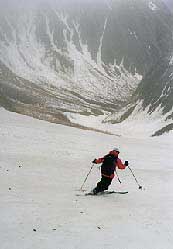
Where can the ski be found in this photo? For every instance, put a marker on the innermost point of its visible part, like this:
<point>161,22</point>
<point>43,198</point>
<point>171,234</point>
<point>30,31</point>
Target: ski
<point>103,193</point>
<point>108,193</point>
<point>116,192</point>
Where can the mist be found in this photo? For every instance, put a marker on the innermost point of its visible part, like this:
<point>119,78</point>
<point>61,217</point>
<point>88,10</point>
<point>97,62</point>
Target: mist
<point>33,2</point>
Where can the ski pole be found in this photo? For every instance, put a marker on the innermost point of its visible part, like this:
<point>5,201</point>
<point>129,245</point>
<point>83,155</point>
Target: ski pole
<point>140,187</point>
<point>86,177</point>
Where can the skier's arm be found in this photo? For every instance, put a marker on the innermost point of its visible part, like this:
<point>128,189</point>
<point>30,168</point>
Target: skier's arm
<point>120,164</point>
<point>99,160</point>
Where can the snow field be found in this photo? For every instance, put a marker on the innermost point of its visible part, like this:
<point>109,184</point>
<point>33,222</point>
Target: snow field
<point>43,165</point>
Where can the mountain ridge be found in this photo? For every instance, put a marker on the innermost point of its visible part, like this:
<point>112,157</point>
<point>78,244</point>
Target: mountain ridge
<point>86,58</point>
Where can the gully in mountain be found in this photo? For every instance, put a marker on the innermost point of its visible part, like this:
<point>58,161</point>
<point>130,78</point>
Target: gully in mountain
<point>108,167</point>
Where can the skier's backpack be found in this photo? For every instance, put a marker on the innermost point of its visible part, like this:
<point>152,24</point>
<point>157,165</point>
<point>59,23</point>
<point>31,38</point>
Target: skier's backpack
<point>108,165</point>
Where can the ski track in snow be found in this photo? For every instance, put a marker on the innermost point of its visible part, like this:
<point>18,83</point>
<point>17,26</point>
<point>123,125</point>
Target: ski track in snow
<point>42,166</point>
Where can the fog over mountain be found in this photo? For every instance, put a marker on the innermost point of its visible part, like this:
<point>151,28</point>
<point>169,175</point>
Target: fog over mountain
<point>102,57</point>
<point>169,4</point>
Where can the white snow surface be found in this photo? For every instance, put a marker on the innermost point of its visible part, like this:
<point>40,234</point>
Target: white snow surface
<point>42,167</point>
<point>153,6</point>
<point>139,124</point>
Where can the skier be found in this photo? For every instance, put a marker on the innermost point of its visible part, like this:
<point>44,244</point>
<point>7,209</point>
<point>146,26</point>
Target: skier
<point>108,167</point>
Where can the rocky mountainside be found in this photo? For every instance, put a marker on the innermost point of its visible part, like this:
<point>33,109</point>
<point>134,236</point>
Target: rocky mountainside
<point>91,57</point>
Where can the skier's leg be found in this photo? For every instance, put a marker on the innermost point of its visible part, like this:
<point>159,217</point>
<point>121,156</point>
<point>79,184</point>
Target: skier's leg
<point>106,182</point>
<point>102,185</point>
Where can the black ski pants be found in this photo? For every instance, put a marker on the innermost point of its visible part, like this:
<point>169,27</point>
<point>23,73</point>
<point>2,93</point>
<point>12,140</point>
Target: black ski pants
<point>103,184</point>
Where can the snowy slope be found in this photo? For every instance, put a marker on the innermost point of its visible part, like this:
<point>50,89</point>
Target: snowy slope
<point>138,124</point>
<point>43,165</point>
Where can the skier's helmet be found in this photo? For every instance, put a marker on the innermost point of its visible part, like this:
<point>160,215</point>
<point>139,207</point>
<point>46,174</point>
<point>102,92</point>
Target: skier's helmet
<point>116,149</point>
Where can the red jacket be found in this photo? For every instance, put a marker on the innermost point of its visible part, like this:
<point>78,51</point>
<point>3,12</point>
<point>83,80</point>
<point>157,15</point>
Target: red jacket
<point>118,163</point>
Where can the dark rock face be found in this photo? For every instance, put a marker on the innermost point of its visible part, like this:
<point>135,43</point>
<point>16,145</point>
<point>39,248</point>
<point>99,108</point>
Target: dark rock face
<point>90,58</point>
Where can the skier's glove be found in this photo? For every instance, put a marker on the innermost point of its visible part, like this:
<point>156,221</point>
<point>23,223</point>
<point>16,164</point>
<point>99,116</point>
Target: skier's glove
<point>94,161</point>
<point>126,163</point>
